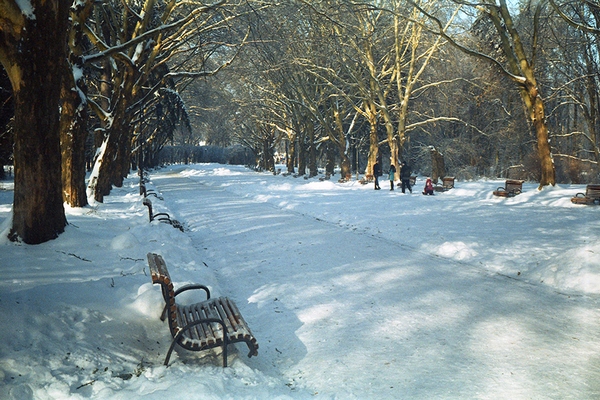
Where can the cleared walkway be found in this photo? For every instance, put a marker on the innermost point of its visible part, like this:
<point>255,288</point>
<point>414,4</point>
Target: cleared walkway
<point>343,311</point>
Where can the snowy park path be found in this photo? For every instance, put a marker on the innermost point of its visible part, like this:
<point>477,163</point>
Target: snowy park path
<point>351,312</point>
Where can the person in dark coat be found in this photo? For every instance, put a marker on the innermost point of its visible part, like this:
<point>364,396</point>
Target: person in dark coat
<point>405,177</point>
<point>376,174</point>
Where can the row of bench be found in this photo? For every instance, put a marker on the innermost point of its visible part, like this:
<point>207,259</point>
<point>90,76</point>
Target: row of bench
<point>514,187</point>
<point>511,188</point>
<point>212,323</point>
<point>161,216</point>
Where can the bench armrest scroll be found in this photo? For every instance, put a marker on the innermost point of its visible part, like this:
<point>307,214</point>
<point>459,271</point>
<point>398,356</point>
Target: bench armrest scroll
<point>191,325</point>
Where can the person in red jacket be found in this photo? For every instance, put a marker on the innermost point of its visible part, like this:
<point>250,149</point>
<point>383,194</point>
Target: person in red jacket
<point>428,187</point>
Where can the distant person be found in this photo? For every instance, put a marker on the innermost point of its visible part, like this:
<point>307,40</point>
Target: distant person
<point>405,177</point>
<point>428,189</point>
<point>392,175</point>
<point>377,174</point>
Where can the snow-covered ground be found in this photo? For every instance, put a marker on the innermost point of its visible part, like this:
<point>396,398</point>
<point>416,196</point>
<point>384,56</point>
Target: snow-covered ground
<point>352,293</point>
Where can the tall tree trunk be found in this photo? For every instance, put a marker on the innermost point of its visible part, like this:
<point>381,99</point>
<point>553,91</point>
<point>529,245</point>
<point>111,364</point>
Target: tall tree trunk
<point>302,154</point>
<point>74,113</point>
<point>35,65</point>
<point>438,168</point>
<point>106,170</point>
<point>117,152</point>
<point>312,154</point>
<point>291,152</point>
<point>73,137</point>
<point>373,156</point>
<point>338,136</point>
<point>543,145</point>
<point>330,164</point>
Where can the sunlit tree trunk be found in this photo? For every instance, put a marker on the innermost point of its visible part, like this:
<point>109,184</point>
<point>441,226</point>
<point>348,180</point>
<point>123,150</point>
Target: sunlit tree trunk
<point>371,113</point>
<point>519,64</point>
<point>73,130</point>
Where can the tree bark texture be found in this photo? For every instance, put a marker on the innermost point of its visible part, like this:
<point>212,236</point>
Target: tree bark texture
<point>33,47</point>
<point>73,128</point>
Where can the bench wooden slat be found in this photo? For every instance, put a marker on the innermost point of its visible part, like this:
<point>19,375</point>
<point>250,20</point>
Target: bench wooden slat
<point>240,320</point>
<point>204,332</point>
<point>198,332</point>
<point>212,331</point>
<point>232,325</point>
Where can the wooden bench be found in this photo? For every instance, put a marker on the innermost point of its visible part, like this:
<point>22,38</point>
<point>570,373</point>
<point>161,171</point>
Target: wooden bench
<point>162,216</point>
<point>512,187</point>
<point>591,196</point>
<point>367,179</point>
<point>201,326</point>
<point>447,184</point>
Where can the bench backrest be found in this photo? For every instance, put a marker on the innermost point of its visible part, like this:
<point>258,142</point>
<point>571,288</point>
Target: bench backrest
<point>148,204</point>
<point>592,191</point>
<point>512,184</point>
<point>448,182</point>
<point>160,275</point>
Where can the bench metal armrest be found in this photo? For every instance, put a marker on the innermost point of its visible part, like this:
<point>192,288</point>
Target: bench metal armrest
<point>193,286</point>
<point>182,289</point>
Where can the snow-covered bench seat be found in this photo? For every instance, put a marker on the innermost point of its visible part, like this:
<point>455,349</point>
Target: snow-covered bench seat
<point>162,217</point>
<point>512,187</point>
<point>591,196</point>
<point>211,323</point>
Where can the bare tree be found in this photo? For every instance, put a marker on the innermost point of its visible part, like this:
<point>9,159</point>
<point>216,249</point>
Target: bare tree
<point>577,88</point>
<point>516,63</point>
<point>160,47</point>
